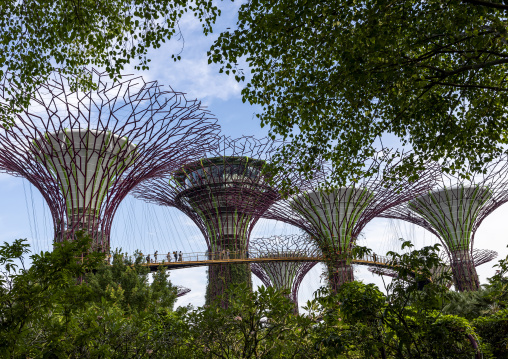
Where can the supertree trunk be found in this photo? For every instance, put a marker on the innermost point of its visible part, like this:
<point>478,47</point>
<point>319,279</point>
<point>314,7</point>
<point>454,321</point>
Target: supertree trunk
<point>339,272</point>
<point>221,277</point>
<point>464,272</point>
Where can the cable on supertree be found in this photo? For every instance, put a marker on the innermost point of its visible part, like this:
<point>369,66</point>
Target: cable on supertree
<point>283,275</point>
<point>181,291</point>
<point>224,193</point>
<point>453,210</point>
<point>334,216</point>
<point>84,151</point>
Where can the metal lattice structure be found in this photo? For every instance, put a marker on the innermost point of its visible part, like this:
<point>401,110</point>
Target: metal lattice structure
<point>181,291</point>
<point>482,256</point>
<point>334,217</point>
<point>84,151</point>
<point>224,193</point>
<point>454,210</point>
<point>283,275</point>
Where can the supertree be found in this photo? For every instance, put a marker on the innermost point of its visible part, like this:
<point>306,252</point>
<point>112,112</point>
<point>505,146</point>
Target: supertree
<point>454,210</point>
<point>334,216</point>
<point>181,291</point>
<point>283,275</point>
<point>224,193</point>
<point>84,151</point>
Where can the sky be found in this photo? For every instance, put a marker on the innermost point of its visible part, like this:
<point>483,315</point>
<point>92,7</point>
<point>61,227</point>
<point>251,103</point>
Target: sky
<point>147,227</point>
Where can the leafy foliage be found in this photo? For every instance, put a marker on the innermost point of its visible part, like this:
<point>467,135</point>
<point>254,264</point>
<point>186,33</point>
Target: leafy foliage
<point>126,283</point>
<point>254,325</point>
<point>494,329</point>
<point>336,76</point>
<point>63,306</point>
<point>39,37</point>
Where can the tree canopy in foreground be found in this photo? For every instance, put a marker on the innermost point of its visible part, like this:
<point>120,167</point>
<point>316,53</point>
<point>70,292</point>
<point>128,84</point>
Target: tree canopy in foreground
<point>60,307</point>
<point>39,37</point>
<point>337,75</point>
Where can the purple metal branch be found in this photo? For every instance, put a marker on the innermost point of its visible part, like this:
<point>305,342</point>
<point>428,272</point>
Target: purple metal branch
<point>383,271</point>
<point>227,182</point>
<point>181,291</point>
<point>482,256</point>
<point>85,151</point>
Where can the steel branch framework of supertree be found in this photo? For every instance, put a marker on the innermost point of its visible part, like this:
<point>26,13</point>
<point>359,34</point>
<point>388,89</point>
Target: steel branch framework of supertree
<point>224,193</point>
<point>335,216</point>
<point>454,210</point>
<point>482,256</point>
<point>181,291</point>
<point>283,275</point>
<point>84,151</point>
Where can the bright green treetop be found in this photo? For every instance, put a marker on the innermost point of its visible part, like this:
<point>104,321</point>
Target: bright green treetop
<point>39,37</point>
<point>336,75</point>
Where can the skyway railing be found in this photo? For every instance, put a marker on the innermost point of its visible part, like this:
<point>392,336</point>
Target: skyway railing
<point>196,259</point>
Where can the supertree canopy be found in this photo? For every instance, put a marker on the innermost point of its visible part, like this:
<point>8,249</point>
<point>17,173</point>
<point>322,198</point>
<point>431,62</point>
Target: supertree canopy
<point>334,216</point>
<point>224,193</point>
<point>84,151</point>
<point>482,256</point>
<point>283,275</point>
<point>454,210</point>
<point>181,291</point>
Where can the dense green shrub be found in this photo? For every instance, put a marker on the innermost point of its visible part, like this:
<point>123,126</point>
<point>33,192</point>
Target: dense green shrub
<point>493,329</point>
<point>61,307</point>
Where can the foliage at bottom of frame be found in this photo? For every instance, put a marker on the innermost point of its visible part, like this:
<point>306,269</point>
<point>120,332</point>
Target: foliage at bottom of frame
<point>60,307</point>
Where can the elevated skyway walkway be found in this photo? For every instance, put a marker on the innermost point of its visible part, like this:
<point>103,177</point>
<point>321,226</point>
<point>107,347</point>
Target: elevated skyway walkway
<point>189,260</point>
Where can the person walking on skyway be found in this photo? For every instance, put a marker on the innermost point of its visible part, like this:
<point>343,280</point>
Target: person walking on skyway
<point>169,257</point>
<point>148,259</point>
<point>155,256</point>
<point>176,256</point>
<point>180,256</point>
